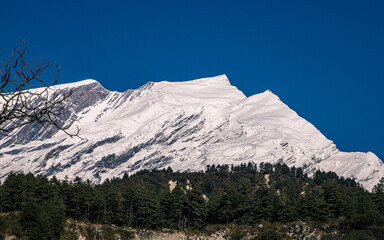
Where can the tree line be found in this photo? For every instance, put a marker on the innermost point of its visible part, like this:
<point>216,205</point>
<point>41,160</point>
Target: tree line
<point>246,194</point>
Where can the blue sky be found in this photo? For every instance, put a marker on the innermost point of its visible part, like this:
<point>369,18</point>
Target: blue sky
<point>324,59</point>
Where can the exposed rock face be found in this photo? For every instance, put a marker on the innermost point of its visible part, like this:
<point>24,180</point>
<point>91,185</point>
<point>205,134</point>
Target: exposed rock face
<point>182,125</point>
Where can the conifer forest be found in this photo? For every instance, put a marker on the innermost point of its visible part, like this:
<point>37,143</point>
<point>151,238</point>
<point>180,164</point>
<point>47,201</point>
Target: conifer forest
<point>247,194</point>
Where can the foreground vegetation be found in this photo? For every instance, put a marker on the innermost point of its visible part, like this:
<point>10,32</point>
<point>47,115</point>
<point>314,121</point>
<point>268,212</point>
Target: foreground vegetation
<point>222,195</point>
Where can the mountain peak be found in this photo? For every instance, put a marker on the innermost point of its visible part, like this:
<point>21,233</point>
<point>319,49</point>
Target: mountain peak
<point>76,84</point>
<point>184,125</point>
<point>212,91</point>
<point>220,80</point>
<point>217,80</point>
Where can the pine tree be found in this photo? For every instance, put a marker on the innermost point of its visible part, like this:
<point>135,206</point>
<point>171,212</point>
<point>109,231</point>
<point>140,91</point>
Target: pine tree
<point>378,195</point>
<point>226,208</point>
<point>30,218</point>
<point>286,209</point>
<point>265,203</point>
<point>177,208</point>
<point>324,212</point>
<point>242,203</point>
<point>164,207</point>
<point>309,205</point>
<point>112,204</point>
<point>147,209</point>
<point>54,211</point>
<point>43,221</point>
<point>196,208</point>
<point>14,192</point>
<point>213,209</point>
<point>334,200</point>
<point>129,202</point>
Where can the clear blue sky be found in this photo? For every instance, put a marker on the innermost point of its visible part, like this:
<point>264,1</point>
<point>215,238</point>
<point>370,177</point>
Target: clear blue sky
<point>325,59</point>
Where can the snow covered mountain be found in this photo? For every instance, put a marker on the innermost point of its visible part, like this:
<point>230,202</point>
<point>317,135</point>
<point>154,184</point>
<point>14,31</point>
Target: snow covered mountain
<point>183,125</point>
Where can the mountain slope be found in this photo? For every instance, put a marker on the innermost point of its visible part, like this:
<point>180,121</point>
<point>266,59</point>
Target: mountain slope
<point>184,125</point>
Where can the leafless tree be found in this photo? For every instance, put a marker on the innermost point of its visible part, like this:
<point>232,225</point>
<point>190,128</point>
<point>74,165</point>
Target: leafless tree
<point>26,98</point>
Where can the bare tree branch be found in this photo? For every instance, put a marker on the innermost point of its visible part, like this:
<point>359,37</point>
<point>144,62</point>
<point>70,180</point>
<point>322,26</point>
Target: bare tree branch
<point>26,98</point>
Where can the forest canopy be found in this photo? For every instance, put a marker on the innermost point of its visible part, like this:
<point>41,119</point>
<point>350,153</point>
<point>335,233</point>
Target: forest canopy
<point>245,195</point>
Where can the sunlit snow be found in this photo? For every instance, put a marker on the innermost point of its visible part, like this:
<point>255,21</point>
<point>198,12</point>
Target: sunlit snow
<point>183,125</point>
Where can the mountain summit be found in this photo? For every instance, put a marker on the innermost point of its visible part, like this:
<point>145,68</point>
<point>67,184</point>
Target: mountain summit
<point>182,125</point>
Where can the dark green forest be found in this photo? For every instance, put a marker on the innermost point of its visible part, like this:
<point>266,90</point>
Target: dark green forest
<point>247,194</point>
